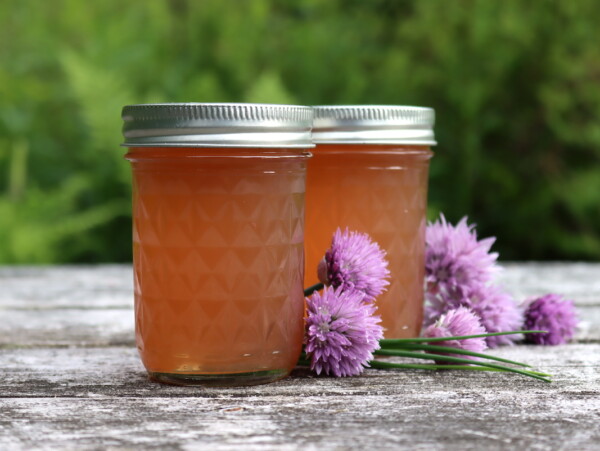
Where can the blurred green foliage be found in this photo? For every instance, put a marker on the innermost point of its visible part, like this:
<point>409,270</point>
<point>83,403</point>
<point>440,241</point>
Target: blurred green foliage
<point>516,87</point>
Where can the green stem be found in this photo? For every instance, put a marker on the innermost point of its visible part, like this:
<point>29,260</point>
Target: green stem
<point>418,366</point>
<point>310,290</point>
<point>382,364</point>
<point>445,358</point>
<point>378,364</point>
<point>393,341</point>
<point>451,350</point>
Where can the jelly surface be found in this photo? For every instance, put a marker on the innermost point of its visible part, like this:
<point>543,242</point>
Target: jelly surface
<point>380,190</point>
<point>218,259</point>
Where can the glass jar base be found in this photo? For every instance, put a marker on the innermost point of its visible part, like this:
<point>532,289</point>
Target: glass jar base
<point>219,380</point>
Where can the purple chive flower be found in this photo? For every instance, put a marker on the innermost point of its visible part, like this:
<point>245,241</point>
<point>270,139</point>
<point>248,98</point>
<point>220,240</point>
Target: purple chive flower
<point>436,304</point>
<point>458,322</point>
<point>455,261</point>
<point>496,309</point>
<point>341,332</point>
<point>554,314</point>
<point>499,313</point>
<point>354,262</point>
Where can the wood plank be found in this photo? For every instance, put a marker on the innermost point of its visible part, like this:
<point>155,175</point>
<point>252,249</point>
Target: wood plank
<point>107,327</point>
<point>77,372</point>
<point>577,281</point>
<point>66,327</point>
<point>99,397</point>
<point>110,286</point>
<point>49,287</point>
<point>460,421</point>
<point>68,386</point>
<point>92,306</point>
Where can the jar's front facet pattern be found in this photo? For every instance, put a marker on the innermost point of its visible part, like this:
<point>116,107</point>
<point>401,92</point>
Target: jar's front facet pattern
<point>382,191</point>
<point>218,262</point>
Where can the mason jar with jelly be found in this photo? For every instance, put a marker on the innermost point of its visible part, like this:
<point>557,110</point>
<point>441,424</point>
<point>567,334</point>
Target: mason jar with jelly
<point>218,217</point>
<point>369,173</point>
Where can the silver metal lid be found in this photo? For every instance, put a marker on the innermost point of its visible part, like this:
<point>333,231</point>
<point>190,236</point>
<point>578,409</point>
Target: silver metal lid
<point>373,124</point>
<point>217,125</point>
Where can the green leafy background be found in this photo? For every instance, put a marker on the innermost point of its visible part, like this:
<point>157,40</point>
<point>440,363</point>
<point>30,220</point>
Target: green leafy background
<point>515,84</point>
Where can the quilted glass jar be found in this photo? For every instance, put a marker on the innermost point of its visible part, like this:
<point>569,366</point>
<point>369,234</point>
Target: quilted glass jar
<point>218,216</point>
<point>369,173</point>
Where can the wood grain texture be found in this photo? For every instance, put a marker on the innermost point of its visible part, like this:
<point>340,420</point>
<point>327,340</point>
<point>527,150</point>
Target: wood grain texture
<point>71,378</point>
<point>101,397</point>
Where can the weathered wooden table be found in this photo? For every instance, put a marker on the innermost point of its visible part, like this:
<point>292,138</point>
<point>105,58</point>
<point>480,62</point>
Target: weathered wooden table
<point>70,378</point>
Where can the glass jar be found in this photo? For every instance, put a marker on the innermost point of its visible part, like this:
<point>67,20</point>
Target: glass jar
<point>218,217</point>
<point>369,173</point>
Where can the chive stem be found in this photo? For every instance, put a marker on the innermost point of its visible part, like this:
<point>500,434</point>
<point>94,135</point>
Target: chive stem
<point>417,366</point>
<point>420,366</point>
<point>310,290</point>
<point>451,350</point>
<point>445,358</point>
<point>393,341</point>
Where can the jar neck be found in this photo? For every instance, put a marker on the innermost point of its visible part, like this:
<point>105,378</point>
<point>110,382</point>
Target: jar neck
<point>374,149</point>
<point>157,153</point>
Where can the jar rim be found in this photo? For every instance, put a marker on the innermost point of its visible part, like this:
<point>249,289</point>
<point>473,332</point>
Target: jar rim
<point>373,124</point>
<point>217,125</point>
